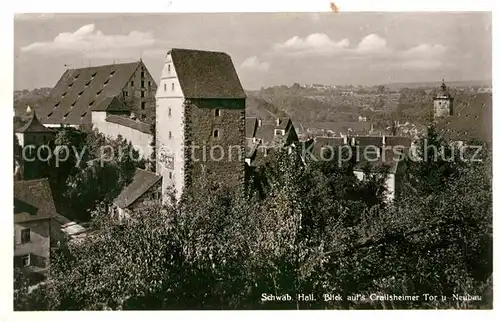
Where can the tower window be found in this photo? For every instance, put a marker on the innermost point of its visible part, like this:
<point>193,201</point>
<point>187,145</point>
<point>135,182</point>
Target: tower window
<point>164,87</point>
<point>216,133</point>
<point>169,134</point>
<point>142,93</point>
<point>142,74</point>
<point>169,112</point>
<point>168,68</point>
<point>142,83</point>
<point>217,112</point>
<point>25,235</point>
<point>26,260</point>
<point>143,105</point>
<point>125,93</point>
<point>170,175</point>
<point>149,84</point>
<point>132,83</point>
<point>173,87</point>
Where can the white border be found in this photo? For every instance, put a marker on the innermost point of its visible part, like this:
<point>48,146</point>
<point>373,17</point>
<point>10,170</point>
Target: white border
<point>6,97</point>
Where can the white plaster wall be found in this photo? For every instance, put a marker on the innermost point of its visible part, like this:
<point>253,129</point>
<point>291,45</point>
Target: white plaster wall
<point>174,99</point>
<point>140,141</point>
<point>20,138</point>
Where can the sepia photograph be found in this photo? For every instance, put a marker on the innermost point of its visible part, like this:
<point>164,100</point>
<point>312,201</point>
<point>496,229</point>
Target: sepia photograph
<point>252,161</point>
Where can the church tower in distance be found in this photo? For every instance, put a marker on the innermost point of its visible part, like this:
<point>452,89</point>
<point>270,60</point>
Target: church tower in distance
<point>443,102</point>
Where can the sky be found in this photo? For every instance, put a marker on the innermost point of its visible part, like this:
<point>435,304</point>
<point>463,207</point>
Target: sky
<point>266,48</point>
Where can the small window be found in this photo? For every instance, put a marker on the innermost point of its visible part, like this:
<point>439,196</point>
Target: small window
<point>279,132</point>
<point>88,83</point>
<point>164,87</point>
<point>84,114</point>
<point>168,68</point>
<point>112,73</point>
<point>93,75</point>
<point>170,175</point>
<point>217,112</point>
<point>26,260</point>
<point>173,87</point>
<point>25,236</point>
<point>66,115</point>
<point>99,92</point>
<point>143,105</point>
<point>92,103</point>
<point>132,83</point>
<point>70,85</point>
<point>63,94</point>
<point>125,93</point>
<point>142,93</point>
<point>149,84</point>
<point>73,105</point>
<point>50,114</point>
<point>142,84</point>
<point>216,133</point>
<point>57,104</point>
<point>106,82</point>
<point>169,112</point>
<point>142,74</point>
<point>77,75</point>
<point>169,134</point>
<point>80,94</point>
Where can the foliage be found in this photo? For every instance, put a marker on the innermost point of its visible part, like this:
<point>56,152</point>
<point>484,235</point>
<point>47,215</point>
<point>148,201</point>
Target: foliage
<point>311,229</point>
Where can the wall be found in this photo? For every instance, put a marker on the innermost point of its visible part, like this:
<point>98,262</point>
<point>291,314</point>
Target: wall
<point>166,146</point>
<point>443,107</point>
<point>220,159</point>
<point>39,246</point>
<point>133,99</point>
<point>141,141</point>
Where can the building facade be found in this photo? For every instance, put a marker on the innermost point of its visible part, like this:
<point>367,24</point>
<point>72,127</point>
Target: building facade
<point>443,102</point>
<point>200,121</point>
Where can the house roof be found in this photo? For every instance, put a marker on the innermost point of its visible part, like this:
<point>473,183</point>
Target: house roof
<point>397,140</point>
<point>206,74</point>
<point>111,104</point>
<point>128,122</point>
<point>387,158</point>
<point>323,141</point>
<point>33,200</point>
<point>142,181</point>
<point>79,91</point>
<point>33,126</point>
<point>369,141</point>
<point>250,126</point>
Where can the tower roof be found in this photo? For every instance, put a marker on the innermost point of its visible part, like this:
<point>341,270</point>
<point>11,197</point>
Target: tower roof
<point>443,90</point>
<point>33,126</point>
<point>206,74</point>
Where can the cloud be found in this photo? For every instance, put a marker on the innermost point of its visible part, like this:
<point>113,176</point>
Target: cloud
<point>93,43</point>
<point>314,44</point>
<point>372,50</point>
<point>255,64</point>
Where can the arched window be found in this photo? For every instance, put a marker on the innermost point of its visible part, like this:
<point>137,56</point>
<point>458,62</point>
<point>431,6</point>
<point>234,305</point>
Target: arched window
<point>216,133</point>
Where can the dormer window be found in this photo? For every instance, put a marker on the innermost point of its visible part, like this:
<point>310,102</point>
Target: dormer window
<point>50,114</point>
<point>83,115</point>
<point>76,76</point>
<point>99,92</point>
<point>72,105</point>
<point>217,112</point>
<point>64,94</point>
<point>112,73</point>
<point>57,104</point>
<point>106,82</point>
<point>88,83</point>
<point>66,115</point>
<point>80,94</point>
<point>93,75</point>
<point>279,132</point>
<point>92,103</point>
<point>70,85</point>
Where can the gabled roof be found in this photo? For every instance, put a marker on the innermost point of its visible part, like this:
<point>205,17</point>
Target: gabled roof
<point>326,142</point>
<point>143,181</point>
<point>391,159</point>
<point>397,141</point>
<point>33,200</point>
<point>33,126</point>
<point>111,104</point>
<point>250,126</point>
<point>79,91</point>
<point>128,122</point>
<point>368,141</point>
<point>206,74</point>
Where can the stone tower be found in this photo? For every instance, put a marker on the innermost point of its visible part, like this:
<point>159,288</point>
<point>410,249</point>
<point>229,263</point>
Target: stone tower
<point>200,121</point>
<point>443,102</point>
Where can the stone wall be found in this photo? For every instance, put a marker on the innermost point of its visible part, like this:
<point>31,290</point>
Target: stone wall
<point>219,158</point>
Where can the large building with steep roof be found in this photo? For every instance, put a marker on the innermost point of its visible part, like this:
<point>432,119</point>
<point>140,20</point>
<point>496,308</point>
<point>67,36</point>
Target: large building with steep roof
<point>117,89</point>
